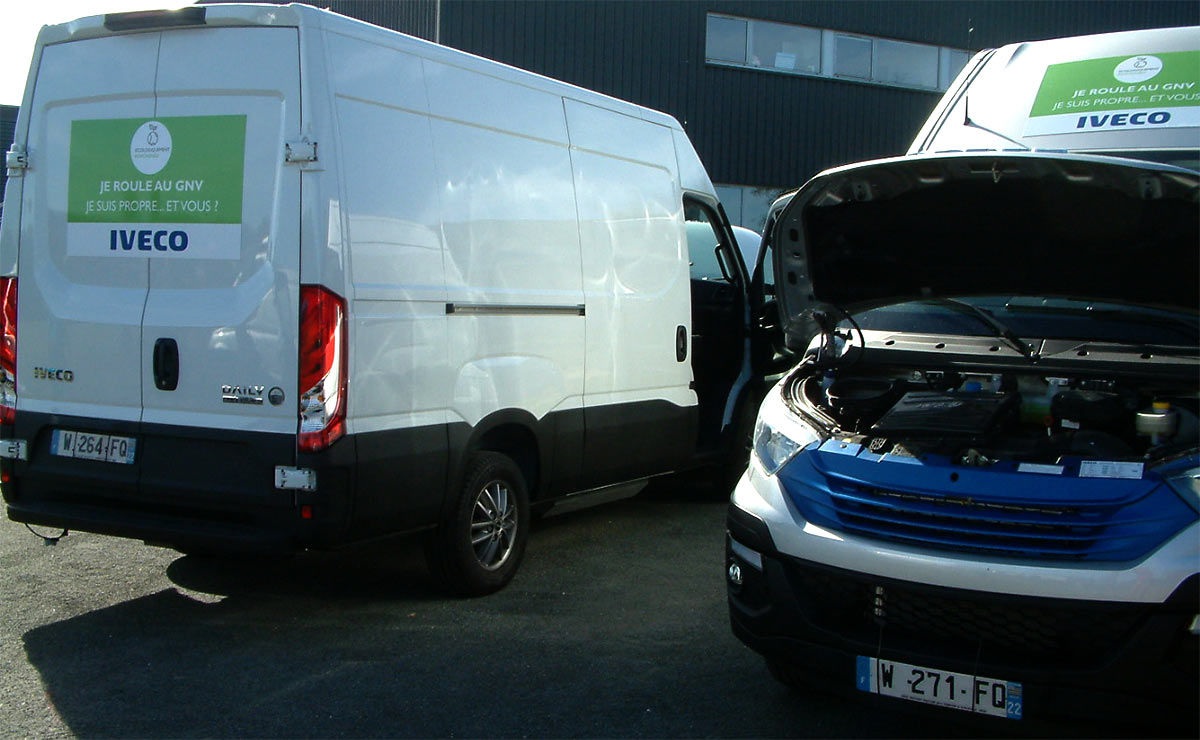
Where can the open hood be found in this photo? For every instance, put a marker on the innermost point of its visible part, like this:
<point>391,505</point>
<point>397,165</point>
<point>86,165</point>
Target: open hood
<point>987,223</point>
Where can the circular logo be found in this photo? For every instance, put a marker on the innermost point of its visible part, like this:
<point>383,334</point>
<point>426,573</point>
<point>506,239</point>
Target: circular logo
<point>150,147</point>
<point>1138,69</point>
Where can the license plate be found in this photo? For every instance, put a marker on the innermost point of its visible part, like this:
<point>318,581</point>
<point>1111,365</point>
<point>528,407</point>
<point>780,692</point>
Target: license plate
<point>87,446</point>
<point>969,693</point>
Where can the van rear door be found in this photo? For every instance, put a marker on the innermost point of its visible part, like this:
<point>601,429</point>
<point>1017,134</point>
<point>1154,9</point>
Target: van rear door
<point>159,265</point>
<point>222,311</point>
<point>80,310</point>
<point>219,337</point>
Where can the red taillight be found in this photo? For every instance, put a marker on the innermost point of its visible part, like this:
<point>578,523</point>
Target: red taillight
<point>322,368</point>
<point>8,350</point>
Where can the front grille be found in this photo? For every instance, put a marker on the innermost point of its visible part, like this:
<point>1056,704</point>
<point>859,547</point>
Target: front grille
<point>1003,518</point>
<point>1079,532</point>
<point>968,524</point>
<point>963,624</point>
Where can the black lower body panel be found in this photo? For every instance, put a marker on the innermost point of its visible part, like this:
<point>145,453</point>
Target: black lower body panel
<point>203,488</point>
<point>1100,661</point>
<point>187,487</point>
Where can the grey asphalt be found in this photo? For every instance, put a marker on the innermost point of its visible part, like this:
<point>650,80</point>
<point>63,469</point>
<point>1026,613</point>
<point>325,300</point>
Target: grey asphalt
<point>616,626</point>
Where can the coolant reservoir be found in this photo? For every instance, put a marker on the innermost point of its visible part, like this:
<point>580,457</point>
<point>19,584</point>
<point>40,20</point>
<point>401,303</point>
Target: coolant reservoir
<point>1036,396</point>
<point>1158,422</point>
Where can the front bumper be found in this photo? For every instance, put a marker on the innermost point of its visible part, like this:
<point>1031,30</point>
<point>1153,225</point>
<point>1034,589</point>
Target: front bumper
<point>816,601</point>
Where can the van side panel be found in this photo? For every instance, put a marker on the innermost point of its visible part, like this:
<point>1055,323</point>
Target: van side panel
<point>513,269</point>
<point>638,403</point>
<point>692,175</point>
<point>400,380</point>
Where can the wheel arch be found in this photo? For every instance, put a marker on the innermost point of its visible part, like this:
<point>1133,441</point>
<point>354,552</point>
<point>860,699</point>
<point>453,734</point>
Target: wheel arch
<point>514,433</point>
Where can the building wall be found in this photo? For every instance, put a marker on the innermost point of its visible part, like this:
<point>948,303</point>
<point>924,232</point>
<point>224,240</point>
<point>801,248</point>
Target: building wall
<point>8,124</point>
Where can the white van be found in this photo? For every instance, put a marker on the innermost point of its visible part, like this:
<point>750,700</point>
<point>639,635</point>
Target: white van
<point>978,495</point>
<point>290,280</point>
<point>1085,94</point>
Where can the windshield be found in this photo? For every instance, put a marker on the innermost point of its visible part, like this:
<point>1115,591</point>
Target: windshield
<point>1040,318</point>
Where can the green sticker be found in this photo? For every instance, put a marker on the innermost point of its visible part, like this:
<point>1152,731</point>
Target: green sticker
<point>169,170</point>
<point>1119,83</point>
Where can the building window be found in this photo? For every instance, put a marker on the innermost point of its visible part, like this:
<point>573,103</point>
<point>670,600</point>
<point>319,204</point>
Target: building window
<point>950,63</point>
<point>905,64</point>
<point>780,46</point>
<point>783,47</point>
<point>726,41</point>
<point>852,57</point>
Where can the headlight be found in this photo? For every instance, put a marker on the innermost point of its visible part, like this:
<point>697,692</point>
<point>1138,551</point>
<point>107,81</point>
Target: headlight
<point>775,449</point>
<point>1185,483</point>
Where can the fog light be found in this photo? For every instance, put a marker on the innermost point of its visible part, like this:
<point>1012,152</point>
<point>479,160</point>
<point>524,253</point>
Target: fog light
<point>1195,628</point>
<point>735,574</point>
<point>306,512</point>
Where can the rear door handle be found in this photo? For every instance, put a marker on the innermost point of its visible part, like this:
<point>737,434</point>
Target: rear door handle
<point>166,364</point>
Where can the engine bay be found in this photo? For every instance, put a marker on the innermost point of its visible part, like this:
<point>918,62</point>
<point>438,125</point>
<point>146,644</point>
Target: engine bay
<point>977,419</point>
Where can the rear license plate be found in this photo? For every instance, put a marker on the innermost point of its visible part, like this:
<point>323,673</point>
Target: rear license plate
<point>87,446</point>
<point>942,688</point>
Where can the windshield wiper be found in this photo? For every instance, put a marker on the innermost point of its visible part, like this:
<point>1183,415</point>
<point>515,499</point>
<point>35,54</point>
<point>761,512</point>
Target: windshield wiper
<point>1188,329</point>
<point>1001,330</point>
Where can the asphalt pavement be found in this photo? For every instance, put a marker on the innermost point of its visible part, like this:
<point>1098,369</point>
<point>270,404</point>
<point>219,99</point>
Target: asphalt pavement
<point>616,626</point>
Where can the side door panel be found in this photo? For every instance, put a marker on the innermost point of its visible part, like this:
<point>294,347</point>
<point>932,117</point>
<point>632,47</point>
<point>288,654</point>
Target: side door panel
<point>718,318</point>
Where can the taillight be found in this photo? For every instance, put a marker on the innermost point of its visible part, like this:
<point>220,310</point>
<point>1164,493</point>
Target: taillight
<point>322,368</point>
<point>8,350</point>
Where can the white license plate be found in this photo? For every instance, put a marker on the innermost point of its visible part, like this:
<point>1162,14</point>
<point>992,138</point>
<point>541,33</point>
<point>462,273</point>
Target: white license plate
<point>104,447</point>
<point>943,688</point>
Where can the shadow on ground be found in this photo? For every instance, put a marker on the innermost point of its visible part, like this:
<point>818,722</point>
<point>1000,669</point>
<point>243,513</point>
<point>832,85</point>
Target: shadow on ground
<point>615,627</point>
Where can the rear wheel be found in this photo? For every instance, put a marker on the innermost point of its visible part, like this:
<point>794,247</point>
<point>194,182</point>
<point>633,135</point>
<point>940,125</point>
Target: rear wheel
<point>479,547</point>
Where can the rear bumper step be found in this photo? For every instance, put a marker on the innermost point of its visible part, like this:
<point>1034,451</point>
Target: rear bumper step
<point>176,531</point>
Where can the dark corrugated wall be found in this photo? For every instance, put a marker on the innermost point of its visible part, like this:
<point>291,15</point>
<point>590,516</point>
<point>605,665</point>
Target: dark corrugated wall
<point>761,128</point>
<point>414,17</point>
<point>8,125</point>
<point>750,127</point>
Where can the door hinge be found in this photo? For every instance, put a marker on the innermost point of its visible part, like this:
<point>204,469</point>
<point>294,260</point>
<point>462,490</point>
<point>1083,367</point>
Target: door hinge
<point>16,161</point>
<point>300,151</point>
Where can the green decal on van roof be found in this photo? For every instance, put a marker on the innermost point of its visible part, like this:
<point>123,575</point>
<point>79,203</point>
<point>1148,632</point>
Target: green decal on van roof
<point>1118,93</point>
<point>174,169</point>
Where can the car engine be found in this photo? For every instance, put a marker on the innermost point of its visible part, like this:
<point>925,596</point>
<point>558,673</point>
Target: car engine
<point>979,419</point>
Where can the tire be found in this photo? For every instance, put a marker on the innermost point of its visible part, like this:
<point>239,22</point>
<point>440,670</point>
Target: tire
<point>479,546</point>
